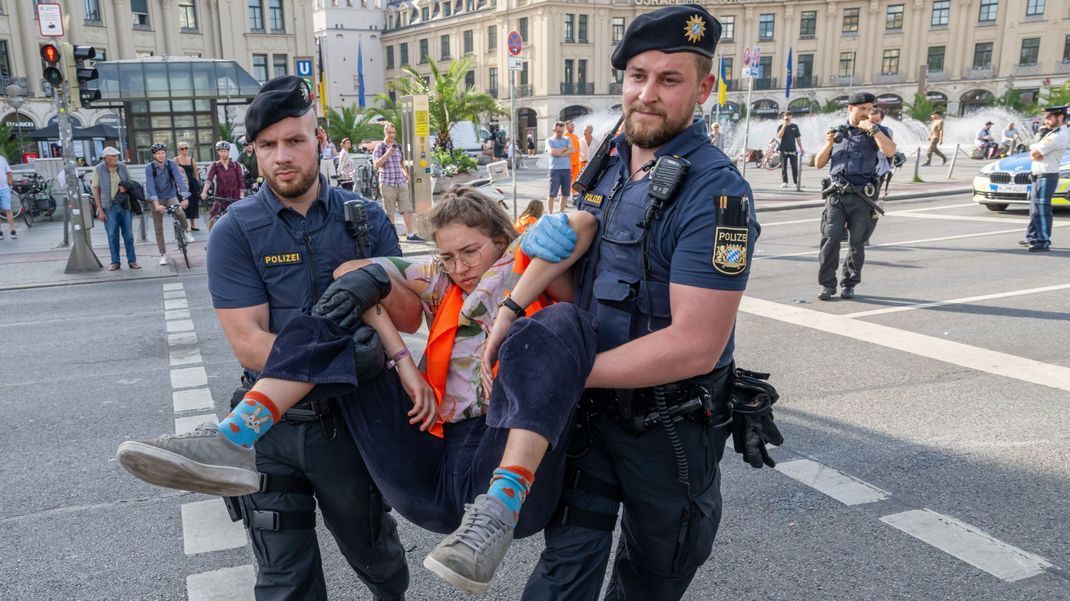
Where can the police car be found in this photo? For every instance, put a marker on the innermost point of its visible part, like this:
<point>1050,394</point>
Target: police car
<point>1007,182</point>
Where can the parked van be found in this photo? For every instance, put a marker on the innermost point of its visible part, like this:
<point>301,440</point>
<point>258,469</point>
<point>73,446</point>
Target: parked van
<point>468,137</point>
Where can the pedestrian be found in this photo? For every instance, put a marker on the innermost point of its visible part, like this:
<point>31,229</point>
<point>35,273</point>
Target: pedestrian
<point>1009,140</point>
<point>936,137</point>
<point>7,178</point>
<point>852,193</point>
<point>716,137</point>
<point>269,258</point>
<point>165,184</point>
<point>559,149</point>
<point>1047,155</point>
<point>193,180</point>
<point>531,214</point>
<point>347,171</point>
<point>664,280</point>
<point>884,174</point>
<point>790,148</point>
<point>573,153</point>
<point>587,146</point>
<point>984,142</point>
<point>394,181</point>
<point>531,144</point>
<point>225,180</point>
<point>247,159</point>
<point>116,216</point>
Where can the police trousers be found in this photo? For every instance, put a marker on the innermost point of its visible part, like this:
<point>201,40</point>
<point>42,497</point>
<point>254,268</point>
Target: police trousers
<point>1038,232</point>
<point>846,216</point>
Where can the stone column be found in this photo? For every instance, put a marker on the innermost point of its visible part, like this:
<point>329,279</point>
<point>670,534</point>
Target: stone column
<point>124,39</point>
<point>832,59</point>
<point>168,22</point>
<point>25,35</point>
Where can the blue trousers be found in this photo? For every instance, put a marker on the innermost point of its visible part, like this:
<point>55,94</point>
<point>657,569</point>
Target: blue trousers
<point>1038,233</point>
<point>119,223</point>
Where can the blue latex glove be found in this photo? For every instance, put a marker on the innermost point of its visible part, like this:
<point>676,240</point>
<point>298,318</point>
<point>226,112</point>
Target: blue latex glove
<point>550,239</point>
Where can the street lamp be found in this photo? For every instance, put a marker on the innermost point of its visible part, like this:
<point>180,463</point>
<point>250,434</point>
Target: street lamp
<point>15,100</point>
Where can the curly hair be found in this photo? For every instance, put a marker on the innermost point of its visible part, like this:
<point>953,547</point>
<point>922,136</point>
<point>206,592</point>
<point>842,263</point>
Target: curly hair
<point>468,206</point>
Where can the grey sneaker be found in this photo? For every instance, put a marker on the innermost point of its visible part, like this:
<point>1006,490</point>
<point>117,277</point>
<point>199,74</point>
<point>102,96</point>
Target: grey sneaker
<point>826,293</point>
<point>199,461</point>
<point>468,558</point>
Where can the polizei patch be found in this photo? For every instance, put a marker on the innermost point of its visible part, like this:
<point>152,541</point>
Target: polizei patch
<point>730,250</point>
<point>282,259</point>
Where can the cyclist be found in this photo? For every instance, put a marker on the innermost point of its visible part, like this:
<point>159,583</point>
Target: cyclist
<point>165,183</point>
<point>226,180</point>
<point>248,162</point>
<point>6,179</point>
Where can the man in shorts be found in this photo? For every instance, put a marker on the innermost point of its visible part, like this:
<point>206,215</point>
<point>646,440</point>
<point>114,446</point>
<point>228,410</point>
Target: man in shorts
<point>394,181</point>
<point>560,149</point>
<point>6,179</point>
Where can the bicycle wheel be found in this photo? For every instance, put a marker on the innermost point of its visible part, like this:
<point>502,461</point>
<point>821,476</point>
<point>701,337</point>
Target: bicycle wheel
<point>27,212</point>
<point>180,239</point>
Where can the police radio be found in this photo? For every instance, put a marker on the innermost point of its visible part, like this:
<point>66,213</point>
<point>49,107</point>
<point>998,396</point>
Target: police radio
<point>665,180</point>
<point>356,218</point>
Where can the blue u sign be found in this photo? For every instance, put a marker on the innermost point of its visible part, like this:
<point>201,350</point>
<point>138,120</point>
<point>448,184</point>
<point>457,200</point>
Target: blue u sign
<point>304,67</point>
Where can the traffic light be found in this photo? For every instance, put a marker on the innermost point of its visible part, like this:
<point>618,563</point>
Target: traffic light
<point>85,72</point>
<point>51,55</point>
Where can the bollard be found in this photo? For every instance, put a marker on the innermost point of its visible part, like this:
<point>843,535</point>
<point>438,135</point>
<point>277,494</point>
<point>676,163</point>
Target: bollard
<point>954,158</point>
<point>917,166</point>
<point>798,184</point>
<point>141,223</point>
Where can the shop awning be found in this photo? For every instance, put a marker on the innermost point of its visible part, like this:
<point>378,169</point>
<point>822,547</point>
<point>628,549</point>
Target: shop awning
<point>174,77</point>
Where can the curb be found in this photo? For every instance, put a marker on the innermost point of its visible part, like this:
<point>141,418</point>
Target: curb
<point>914,196</point>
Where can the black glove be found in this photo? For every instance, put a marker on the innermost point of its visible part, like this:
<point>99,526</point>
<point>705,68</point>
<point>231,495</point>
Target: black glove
<point>752,418</point>
<point>368,353</point>
<point>348,297</point>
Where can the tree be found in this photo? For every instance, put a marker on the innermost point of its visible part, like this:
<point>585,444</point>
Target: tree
<point>830,106</point>
<point>1058,96</point>
<point>353,123</point>
<point>449,100</point>
<point>9,144</point>
<point>388,110</point>
<point>922,108</point>
<point>226,131</point>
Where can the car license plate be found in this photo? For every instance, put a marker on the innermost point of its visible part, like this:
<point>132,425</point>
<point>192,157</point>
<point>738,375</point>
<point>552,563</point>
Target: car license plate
<point>1011,188</point>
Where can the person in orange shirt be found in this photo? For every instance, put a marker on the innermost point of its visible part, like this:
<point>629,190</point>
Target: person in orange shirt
<point>574,149</point>
<point>530,215</point>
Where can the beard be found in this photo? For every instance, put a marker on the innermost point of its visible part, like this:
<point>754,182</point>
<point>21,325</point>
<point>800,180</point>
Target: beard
<point>296,188</point>
<point>645,135</point>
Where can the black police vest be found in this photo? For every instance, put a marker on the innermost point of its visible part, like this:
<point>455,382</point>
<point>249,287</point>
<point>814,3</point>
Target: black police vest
<point>854,160</point>
<point>295,267</point>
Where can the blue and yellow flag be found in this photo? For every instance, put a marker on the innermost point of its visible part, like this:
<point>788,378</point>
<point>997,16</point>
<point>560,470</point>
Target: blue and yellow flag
<point>722,85</point>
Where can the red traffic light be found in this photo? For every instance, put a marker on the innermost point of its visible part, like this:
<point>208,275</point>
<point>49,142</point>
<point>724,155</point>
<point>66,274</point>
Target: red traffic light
<point>50,54</point>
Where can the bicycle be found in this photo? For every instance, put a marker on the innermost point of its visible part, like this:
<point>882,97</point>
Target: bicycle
<point>219,208</point>
<point>771,158</point>
<point>35,197</point>
<point>366,180</point>
<point>180,235</point>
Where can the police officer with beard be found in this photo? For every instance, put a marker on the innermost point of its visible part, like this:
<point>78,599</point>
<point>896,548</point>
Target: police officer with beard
<point>850,192</point>
<point>664,278</point>
<point>271,257</point>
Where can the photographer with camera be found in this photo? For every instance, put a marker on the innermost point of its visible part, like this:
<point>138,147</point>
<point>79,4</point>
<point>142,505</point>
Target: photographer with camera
<point>850,192</point>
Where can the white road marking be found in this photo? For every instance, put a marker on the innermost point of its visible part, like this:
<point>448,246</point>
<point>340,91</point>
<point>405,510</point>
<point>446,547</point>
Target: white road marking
<point>206,527</point>
<point>816,219</point>
<point>956,301</point>
<point>192,399</point>
<point>182,339</point>
<point>792,222</point>
<point>228,584</point>
<point>957,217</point>
<point>940,207</point>
<point>969,544</point>
<point>189,377</point>
<point>174,294</point>
<point>845,489</point>
<point>174,286</point>
<point>188,424</point>
<point>180,325</point>
<point>178,303</point>
<point>186,356</point>
<point>988,361</point>
<point>176,314</point>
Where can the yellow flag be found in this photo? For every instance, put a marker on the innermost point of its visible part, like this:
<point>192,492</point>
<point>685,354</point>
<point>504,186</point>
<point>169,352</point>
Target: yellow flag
<point>722,86</point>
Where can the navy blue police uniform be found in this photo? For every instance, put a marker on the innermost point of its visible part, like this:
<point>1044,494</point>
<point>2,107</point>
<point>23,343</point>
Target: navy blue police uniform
<point>264,252</point>
<point>667,481</point>
<point>853,168</point>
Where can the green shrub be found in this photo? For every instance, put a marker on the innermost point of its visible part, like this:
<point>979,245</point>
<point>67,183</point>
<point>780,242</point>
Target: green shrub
<point>453,162</point>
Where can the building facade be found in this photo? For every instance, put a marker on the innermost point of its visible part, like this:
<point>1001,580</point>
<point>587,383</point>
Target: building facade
<point>349,34</point>
<point>962,53</point>
<point>263,36</point>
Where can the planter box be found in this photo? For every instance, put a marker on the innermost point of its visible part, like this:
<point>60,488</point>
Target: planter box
<point>441,184</point>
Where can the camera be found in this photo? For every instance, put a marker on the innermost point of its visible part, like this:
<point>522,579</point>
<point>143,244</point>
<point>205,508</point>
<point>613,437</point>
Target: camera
<point>838,133</point>
<point>898,160</point>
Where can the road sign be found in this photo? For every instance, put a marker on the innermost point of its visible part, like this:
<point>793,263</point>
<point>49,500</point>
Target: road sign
<point>303,66</point>
<point>515,43</point>
<point>50,19</point>
<point>751,58</point>
<point>516,63</point>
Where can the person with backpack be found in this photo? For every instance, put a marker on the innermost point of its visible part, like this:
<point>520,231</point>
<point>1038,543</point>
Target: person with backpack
<point>165,183</point>
<point>114,206</point>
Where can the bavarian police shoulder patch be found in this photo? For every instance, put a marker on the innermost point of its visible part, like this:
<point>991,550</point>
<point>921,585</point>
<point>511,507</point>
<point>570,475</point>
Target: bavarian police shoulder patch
<point>731,236</point>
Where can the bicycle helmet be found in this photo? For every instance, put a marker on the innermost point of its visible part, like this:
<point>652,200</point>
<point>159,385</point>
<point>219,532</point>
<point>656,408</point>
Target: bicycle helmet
<point>221,145</point>
<point>242,141</point>
<point>158,147</point>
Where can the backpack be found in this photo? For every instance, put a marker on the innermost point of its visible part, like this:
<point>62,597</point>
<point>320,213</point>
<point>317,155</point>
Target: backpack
<point>170,172</point>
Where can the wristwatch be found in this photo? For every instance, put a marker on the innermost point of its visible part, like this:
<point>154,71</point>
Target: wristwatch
<point>510,304</point>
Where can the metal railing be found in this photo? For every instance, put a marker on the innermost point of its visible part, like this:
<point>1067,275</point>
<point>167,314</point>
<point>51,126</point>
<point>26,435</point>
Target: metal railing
<point>805,81</point>
<point>524,91</point>
<point>569,88</point>
<point>765,83</point>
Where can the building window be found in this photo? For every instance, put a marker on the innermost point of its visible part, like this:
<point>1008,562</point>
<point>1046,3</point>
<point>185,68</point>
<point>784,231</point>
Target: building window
<point>890,62</point>
<point>807,24</point>
<point>469,80</point>
<point>582,33</point>
<point>281,66</point>
<point>941,13</point>
<point>522,27</point>
<point>5,57</point>
<point>570,28</point>
<point>187,15</point>
<point>524,74</point>
<point>92,11</point>
<point>1034,8</point>
<point>618,76</point>
<point>618,29</point>
<point>989,9</point>
<point>447,8</point>
<point>444,43</point>
<point>492,38</point>
<point>728,28</point>
<point>424,52</point>
<point>256,15</point>
<point>893,19</point>
<point>389,57</point>
<point>425,14</point>
<point>404,53</point>
<point>982,55</point>
<point>570,72</point>
<point>765,67</point>
<point>493,79</point>
<point>1030,51</point>
<point>935,61</point>
<point>805,67</point>
<point>581,74</point>
<point>140,10</point>
<point>850,20</point>
<point>260,67</point>
<point>766,24</point>
<point>468,41</point>
<point>275,16</point>
<point>728,74</point>
<point>847,64</point>
<point>1066,50</point>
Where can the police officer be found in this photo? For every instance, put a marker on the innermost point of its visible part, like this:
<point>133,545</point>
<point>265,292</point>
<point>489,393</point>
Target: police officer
<point>1046,154</point>
<point>664,279</point>
<point>884,173</point>
<point>271,257</point>
<point>850,192</point>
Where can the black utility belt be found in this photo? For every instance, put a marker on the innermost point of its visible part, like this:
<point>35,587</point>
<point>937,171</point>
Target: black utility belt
<point>701,399</point>
<point>830,188</point>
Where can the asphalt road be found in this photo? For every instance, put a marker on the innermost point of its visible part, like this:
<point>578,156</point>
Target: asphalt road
<point>926,453</point>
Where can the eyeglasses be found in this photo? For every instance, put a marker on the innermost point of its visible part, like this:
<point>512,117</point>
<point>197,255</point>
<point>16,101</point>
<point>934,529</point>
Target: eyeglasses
<point>470,258</point>
<point>183,147</point>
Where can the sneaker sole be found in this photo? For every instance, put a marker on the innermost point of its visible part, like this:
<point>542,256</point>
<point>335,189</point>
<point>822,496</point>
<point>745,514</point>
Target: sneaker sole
<point>465,584</point>
<point>171,470</point>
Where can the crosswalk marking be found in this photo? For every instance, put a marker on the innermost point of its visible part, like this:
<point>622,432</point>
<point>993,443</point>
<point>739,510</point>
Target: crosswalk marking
<point>172,286</point>
<point>189,377</point>
<point>186,356</point>
<point>206,527</point>
<point>227,584</point>
<point>181,338</point>
<point>969,544</point>
<point>174,294</point>
<point>845,489</point>
<point>179,325</point>
<point>956,301</point>
<point>188,424</point>
<point>180,303</point>
<point>176,314</point>
<point>192,399</point>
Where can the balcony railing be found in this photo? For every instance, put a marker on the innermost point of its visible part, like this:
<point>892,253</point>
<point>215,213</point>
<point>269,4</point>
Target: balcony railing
<point>889,78</point>
<point>23,82</point>
<point>616,88</point>
<point>1030,69</point>
<point>524,91</point>
<point>805,81</point>
<point>569,88</point>
<point>765,83</point>
<point>978,72</point>
<point>846,80</point>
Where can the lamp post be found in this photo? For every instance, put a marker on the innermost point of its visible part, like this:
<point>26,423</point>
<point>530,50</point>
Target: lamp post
<point>15,100</point>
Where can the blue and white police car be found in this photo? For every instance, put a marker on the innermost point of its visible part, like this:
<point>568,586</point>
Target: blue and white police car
<point>1007,182</point>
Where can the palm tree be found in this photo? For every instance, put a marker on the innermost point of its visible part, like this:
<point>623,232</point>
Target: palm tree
<point>353,123</point>
<point>388,110</point>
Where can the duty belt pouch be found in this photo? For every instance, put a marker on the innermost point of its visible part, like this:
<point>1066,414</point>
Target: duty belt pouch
<point>238,394</point>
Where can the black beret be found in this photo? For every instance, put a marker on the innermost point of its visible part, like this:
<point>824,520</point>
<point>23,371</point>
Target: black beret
<point>680,28</point>
<point>861,98</point>
<point>282,97</point>
<point>1058,110</point>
